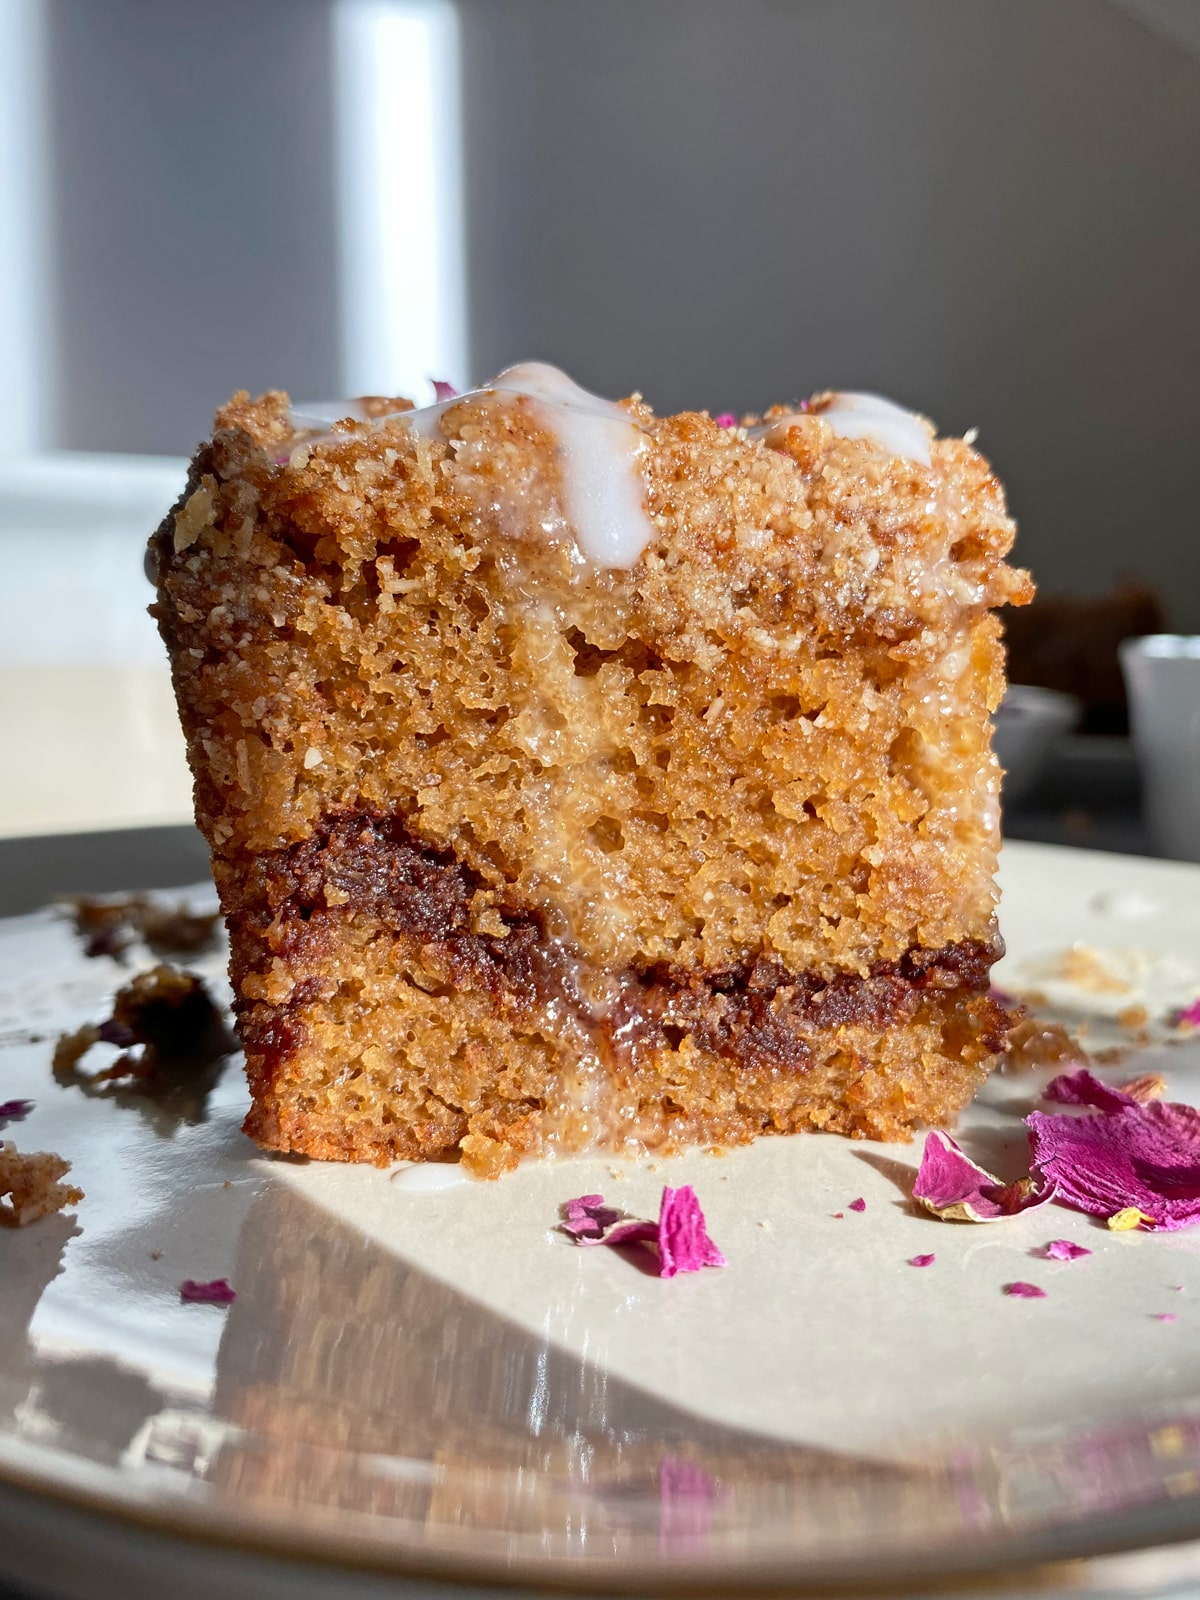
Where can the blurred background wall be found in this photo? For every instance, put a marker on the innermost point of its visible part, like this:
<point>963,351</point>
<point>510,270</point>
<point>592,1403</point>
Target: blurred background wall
<point>989,209</point>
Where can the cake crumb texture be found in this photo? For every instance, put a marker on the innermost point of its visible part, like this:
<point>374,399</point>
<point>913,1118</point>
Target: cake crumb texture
<point>30,1186</point>
<point>520,853</point>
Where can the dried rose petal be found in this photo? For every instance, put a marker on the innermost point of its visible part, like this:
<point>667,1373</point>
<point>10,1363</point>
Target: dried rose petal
<point>15,1110</point>
<point>726,419</point>
<point>683,1241</point>
<point>588,1216</point>
<point>1065,1250</point>
<point>1189,1017</point>
<point>1024,1291</point>
<point>1143,1158</point>
<point>680,1234</point>
<point>957,1189</point>
<point>1083,1088</point>
<point>1165,1316</point>
<point>921,1261</point>
<point>216,1293</point>
<point>1002,998</point>
<point>443,390</point>
<point>858,1205</point>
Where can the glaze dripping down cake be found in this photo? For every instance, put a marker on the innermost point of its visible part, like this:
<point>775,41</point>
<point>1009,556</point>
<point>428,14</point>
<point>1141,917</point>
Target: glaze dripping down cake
<point>580,777</point>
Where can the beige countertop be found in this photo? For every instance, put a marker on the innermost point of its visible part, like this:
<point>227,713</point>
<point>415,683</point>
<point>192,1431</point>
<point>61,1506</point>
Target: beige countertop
<point>88,731</point>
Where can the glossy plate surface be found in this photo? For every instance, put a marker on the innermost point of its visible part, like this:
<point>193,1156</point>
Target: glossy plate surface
<point>437,1380</point>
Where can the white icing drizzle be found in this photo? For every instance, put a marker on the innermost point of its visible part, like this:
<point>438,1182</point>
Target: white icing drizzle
<point>867,416</point>
<point>431,1177</point>
<point>599,443</point>
<point>600,446</point>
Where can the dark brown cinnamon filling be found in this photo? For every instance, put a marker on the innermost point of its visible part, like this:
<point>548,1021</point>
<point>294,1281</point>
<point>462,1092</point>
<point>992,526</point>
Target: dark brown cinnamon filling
<point>758,1013</point>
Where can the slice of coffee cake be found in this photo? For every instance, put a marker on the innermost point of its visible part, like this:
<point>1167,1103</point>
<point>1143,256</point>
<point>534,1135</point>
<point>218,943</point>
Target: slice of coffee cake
<point>579,776</point>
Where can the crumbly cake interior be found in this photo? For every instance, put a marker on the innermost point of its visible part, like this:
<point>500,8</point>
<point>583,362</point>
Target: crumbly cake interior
<point>519,851</point>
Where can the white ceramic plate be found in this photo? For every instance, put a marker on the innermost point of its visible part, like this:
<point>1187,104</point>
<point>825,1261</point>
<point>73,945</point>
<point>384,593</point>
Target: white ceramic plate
<point>440,1382</point>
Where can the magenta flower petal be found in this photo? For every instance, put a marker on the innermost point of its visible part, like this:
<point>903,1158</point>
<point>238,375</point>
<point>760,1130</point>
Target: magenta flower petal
<point>442,390</point>
<point>680,1234</point>
<point>1024,1291</point>
<point>957,1189</point>
<point>683,1241</point>
<point>858,1205</point>
<point>1140,1158</point>
<point>1082,1088</point>
<point>1065,1250</point>
<point>588,1217</point>
<point>216,1293</point>
<point>922,1261</point>
<point>726,419</point>
<point>1189,1017</point>
<point>1165,1316</point>
<point>15,1110</point>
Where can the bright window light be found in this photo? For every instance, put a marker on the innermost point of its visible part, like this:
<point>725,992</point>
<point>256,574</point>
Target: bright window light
<point>398,109</point>
<point>24,320</point>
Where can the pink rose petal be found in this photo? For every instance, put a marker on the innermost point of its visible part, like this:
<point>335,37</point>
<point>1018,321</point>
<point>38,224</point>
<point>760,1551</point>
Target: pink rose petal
<point>1138,1158</point>
<point>858,1205</point>
<point>921,1261</point>
<point>1165,1316</point>
<point>588,1217</point>
<point>1065,1250</point>
<point>1189,1017</point>
<point>443,390</point>
<point>683,1241</point>
<point>1024,1291</point>
<point>1082,1088</point>
<point>216,1293</point>
<point>957,1189</point>
<point>726,419</point>
<point>15,1110</point>
<point>680,1234</point>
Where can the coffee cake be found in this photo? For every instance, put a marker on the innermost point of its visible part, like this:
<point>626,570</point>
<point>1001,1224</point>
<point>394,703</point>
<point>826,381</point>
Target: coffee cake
<point>580,777</point>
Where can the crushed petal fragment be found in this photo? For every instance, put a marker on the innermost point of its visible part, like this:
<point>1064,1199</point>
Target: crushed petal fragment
<point>588,1217</point>
<point>217,1292</point>
<point>922,1261</point>
<point>1024,1291</point>
<point>1064,1250</point>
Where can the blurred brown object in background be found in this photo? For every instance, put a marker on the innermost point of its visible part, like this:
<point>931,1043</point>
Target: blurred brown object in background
<point>1069,643</point>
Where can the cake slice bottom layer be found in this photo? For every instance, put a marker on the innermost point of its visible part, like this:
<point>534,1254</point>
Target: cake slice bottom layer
<point>384,1018</point>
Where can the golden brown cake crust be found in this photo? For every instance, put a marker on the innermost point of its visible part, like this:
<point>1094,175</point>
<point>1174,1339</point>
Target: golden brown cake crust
<point>700,796</point>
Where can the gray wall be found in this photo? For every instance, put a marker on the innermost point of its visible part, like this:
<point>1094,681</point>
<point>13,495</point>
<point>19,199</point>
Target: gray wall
<point>192,212</point>
<point>988,208</point>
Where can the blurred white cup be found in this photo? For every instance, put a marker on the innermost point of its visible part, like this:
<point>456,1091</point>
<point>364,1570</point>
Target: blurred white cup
<point>1162,675</point>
